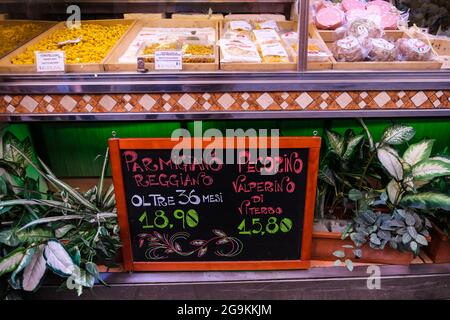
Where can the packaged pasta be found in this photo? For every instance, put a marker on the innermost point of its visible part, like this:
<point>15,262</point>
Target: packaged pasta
<point>273,52</point>
<point>233,50</point>
<point>239,25</point>
<point>148,48</point>
<point>267,24</point>
<point>265,35</point>
<point>197,50</point>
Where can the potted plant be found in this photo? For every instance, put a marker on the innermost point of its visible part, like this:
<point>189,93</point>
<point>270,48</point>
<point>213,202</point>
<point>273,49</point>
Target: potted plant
<point>439,248</point>
<point>388,198</point>
<point>62,231</point>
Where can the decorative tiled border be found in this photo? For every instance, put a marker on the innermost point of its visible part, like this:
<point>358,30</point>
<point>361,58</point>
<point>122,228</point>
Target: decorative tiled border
<point>231,101</point>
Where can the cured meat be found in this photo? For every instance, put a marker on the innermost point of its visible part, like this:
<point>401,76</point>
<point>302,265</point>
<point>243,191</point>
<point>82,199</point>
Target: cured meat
<point>381,50</point>
<point>355,13</point>
<point>389,21</point>
<point>379,6</point>
<point>348,5</point>
<point>364,28</point>
<point>329,18</point>
<point>414,50</point>
<point>348,50</point>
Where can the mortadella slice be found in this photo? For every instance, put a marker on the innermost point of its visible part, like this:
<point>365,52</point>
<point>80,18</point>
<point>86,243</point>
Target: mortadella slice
<point>329,18</point>
<point>379,6</point>
<point>389,21</point>
<point>348,5</point>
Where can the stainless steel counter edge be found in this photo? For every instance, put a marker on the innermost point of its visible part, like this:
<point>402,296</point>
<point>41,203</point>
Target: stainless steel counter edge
<point>222,82</point>
<point>180,116</point>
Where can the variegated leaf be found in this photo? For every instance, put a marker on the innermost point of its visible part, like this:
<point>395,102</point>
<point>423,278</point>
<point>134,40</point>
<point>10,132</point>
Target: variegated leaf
<point>29,253</point>
<point>393,190</point>
<point>11,261</point>
<point>351,145</point>
<point>398,134</point>
<point>35,270</point>
<point>443,159</point>
<point>58,260</point>
<point>418,152</point>
<point>429,169</point>
<point>391,163</point>
<point>427,200</point>
<point>336,142</point>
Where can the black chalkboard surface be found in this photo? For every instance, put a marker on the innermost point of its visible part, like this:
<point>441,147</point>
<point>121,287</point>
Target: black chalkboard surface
<point>212,214</point>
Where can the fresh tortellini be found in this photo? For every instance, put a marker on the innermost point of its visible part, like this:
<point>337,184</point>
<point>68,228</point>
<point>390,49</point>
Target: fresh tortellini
<point>13,35</point>
<point>96,41</point>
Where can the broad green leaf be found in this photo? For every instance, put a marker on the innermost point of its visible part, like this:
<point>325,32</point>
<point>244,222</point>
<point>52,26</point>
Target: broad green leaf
<point>337,263</point>
<point>339,254</point>
<point>427,200</point>
<point>391,163</point>
<point>11,261</point>
<point>82,278</point>
<point>418,152</point>
<point>57,258</point>
<point>62,231</point>
<point>430,169</point>
<point>355,195</point>
<point>9,238</point>
<point>35,270</point>
<point>336,142</point>
<point>393,190</point>
<point>398,134</point>
<point>349,264</point>
<point>35,235</point>
<point>443,159</point>
<point>76,255</point>
<point>351,145</point>
<point>22,265</point>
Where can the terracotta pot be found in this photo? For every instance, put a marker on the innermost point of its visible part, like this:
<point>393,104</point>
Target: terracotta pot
<point>325,243</point>
<point>439,247</point>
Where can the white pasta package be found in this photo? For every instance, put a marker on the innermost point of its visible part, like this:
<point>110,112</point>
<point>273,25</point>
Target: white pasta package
<point>234,50</point>
<point>265,36</point>
<point>273,52</point>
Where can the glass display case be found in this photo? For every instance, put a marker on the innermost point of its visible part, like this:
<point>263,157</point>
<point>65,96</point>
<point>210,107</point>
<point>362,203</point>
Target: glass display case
<point>93,46</point>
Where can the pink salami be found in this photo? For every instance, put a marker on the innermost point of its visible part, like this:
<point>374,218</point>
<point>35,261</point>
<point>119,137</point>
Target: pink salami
<point>355,13</point>
<point>379,6</point>
<point>329,18</point>
<point>348,5</point>
<point>389,21</point>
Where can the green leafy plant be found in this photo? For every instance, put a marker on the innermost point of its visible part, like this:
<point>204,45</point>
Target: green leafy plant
<point>348,164</point>
<point>407,198</point>
<point>64,231</point>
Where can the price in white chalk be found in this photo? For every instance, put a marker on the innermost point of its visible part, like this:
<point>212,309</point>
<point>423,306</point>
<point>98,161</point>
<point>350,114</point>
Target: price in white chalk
<point>50,61</point>
<point>168,60</point>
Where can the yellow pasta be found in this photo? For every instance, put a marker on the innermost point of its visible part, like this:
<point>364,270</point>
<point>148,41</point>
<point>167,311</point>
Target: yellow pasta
<point>96,42</point>
<point>13,35</point>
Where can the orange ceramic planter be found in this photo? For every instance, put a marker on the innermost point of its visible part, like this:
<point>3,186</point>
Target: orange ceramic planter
<point>325,243</point>
<point>439,248</point>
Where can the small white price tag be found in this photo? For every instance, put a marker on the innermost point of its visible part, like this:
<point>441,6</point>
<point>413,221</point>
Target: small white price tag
<point>50,61</point>
<point>168,60</point>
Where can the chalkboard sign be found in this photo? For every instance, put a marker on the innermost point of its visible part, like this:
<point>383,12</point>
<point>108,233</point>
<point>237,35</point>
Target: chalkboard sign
<point>215,215</point>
